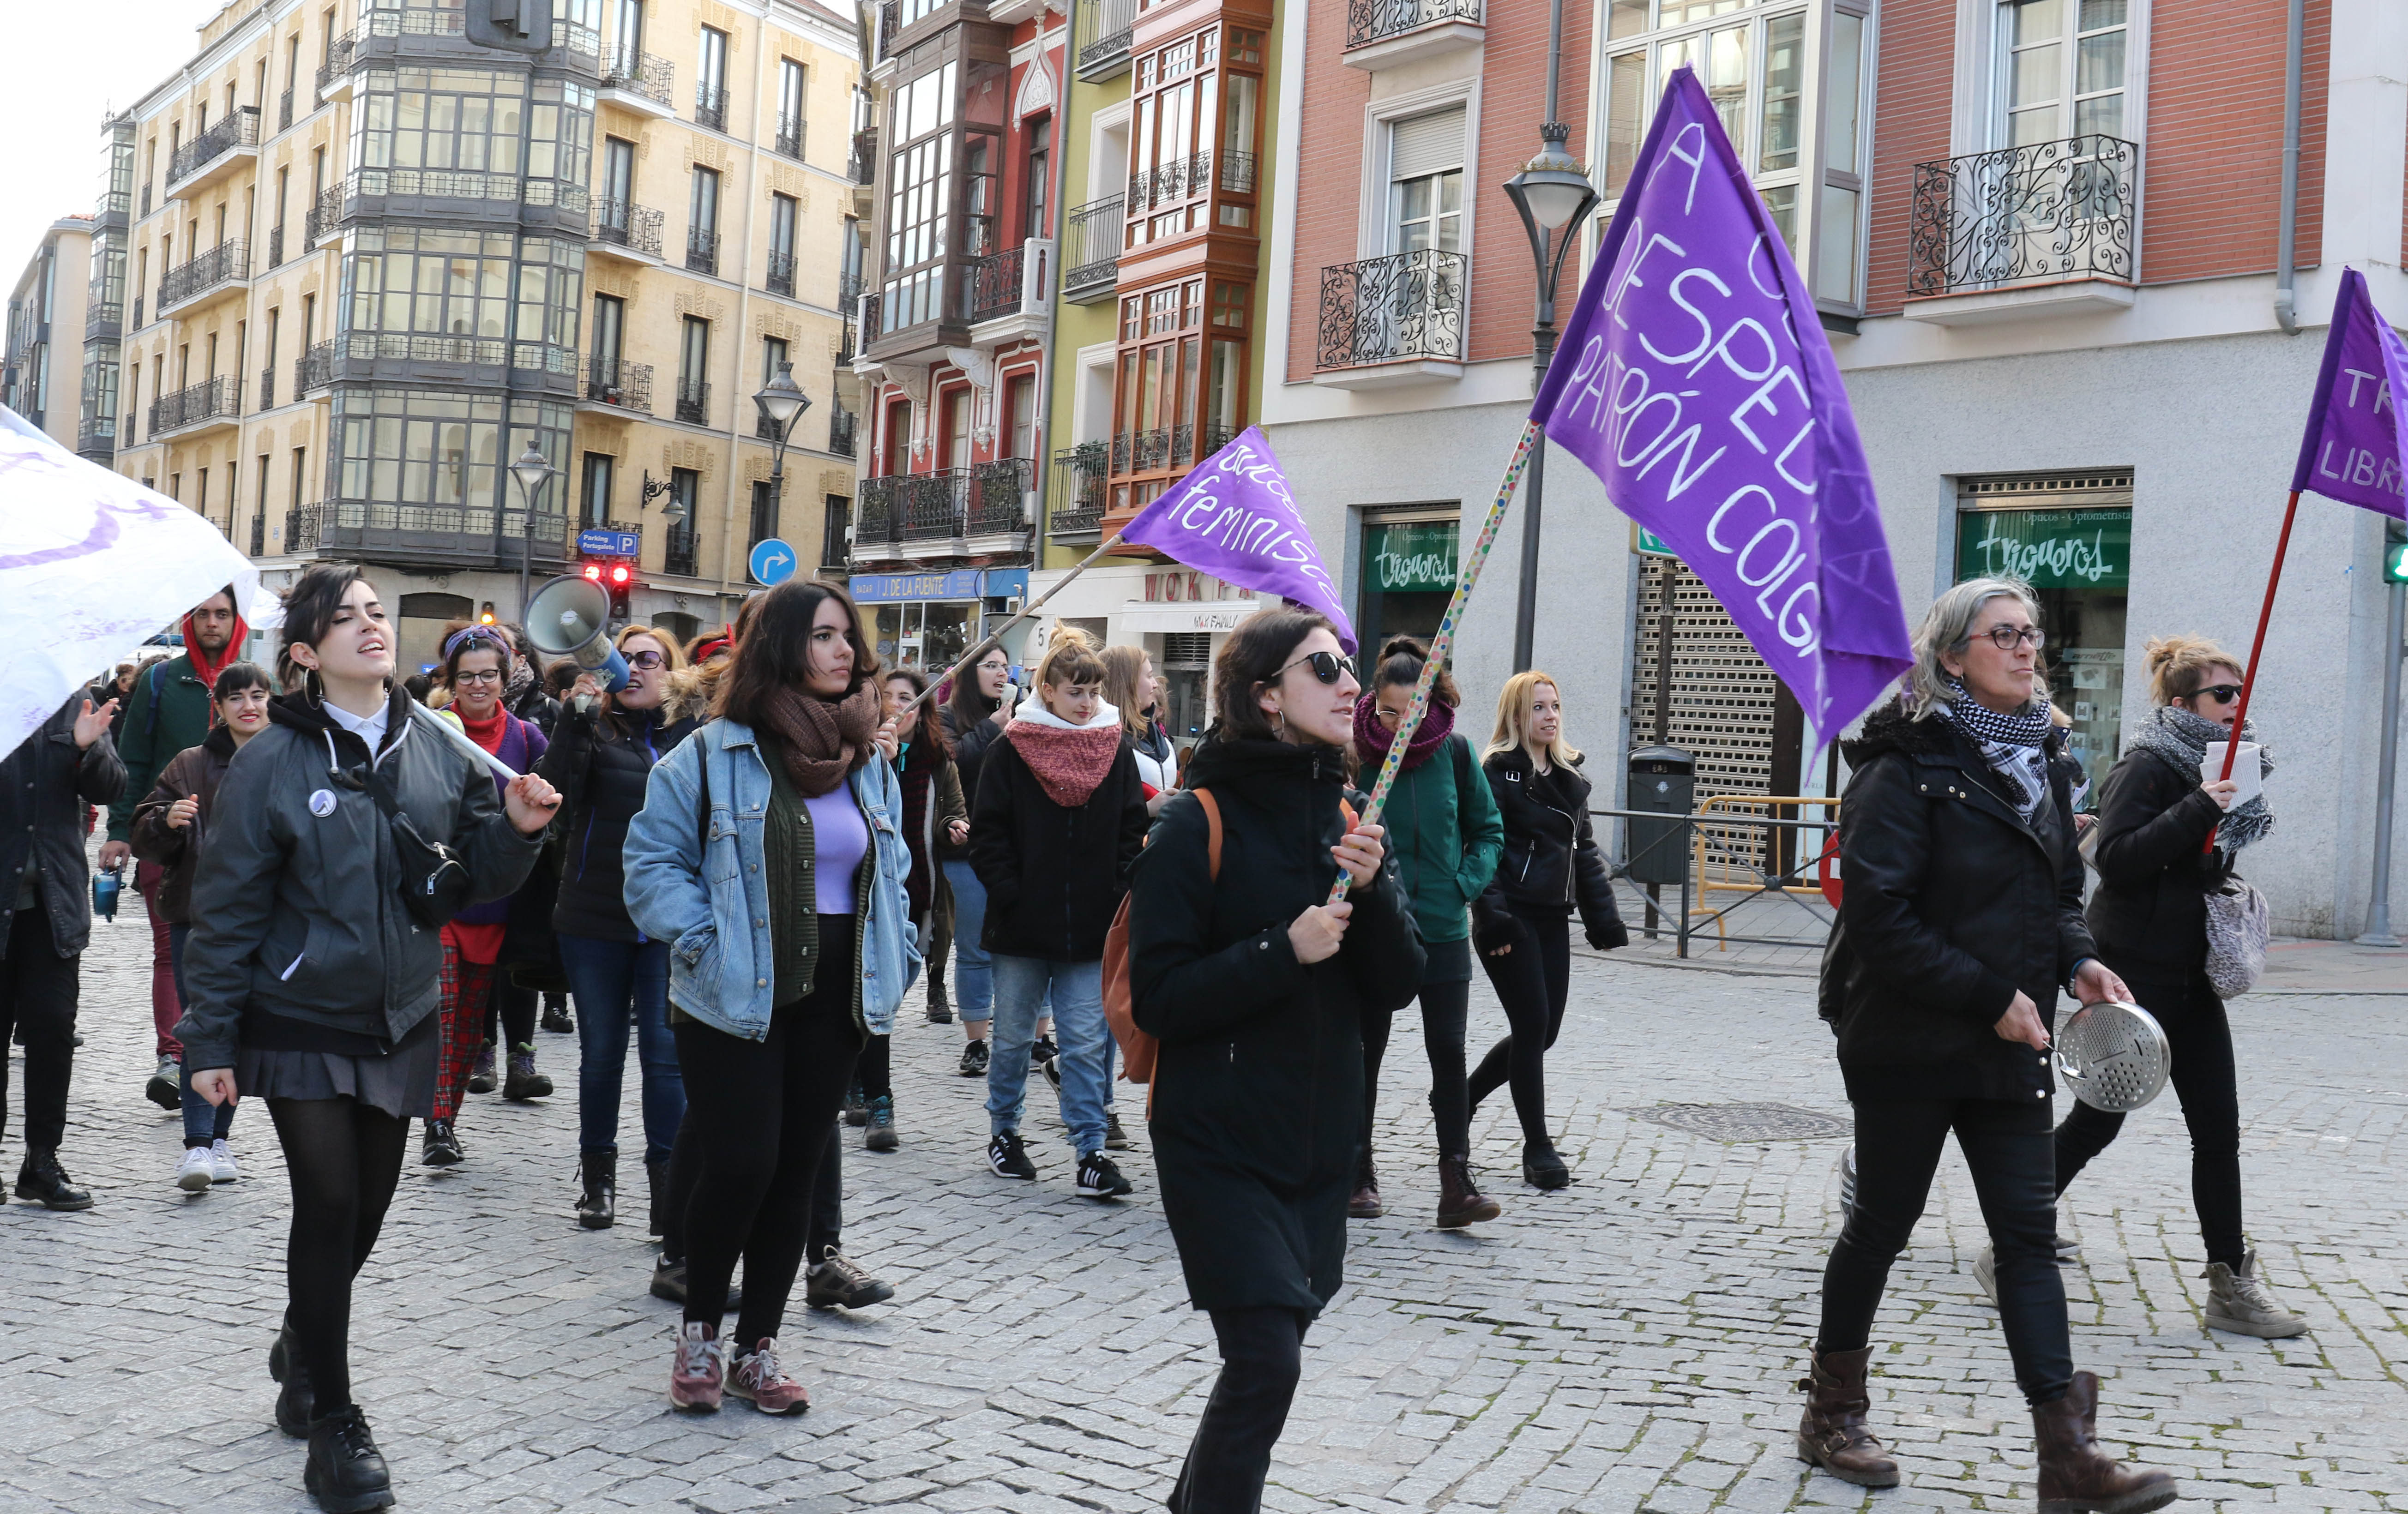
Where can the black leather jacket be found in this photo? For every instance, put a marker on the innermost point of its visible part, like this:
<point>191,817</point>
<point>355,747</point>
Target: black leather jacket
<point>1550,855</point>
<point>44,785</point>
<point>2154,870</point>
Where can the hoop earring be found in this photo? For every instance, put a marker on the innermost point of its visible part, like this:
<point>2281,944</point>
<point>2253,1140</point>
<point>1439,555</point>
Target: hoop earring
<point>1279,725</point>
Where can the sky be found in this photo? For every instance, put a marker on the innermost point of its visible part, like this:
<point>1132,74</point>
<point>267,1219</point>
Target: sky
<point>78,58</point>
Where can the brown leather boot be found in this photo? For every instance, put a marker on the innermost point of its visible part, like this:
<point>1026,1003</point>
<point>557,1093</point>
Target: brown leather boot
<point>1459,1203</point>
<point>1831,1433</point>
<point>1364,1203</point>
<point>2075,1475</point>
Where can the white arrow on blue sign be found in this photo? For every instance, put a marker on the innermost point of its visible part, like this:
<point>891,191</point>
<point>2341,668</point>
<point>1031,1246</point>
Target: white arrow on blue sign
<point>773,563</point>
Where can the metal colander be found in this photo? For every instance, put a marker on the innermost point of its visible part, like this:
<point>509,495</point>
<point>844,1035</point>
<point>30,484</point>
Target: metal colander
<point>2113,1056</point>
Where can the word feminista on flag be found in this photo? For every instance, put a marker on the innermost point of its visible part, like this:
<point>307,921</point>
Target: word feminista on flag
<point>2356,442</point>
<point>1234,518</point>
<point>91,564</point>
<point>1694,378</point>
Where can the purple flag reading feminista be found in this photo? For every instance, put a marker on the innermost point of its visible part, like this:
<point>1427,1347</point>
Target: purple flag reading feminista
<point>2355,441</point>
<point>1233,518</point>
<point>1694,378</point>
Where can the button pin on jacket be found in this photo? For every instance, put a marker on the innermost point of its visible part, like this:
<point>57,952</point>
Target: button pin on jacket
<point>321,804</point>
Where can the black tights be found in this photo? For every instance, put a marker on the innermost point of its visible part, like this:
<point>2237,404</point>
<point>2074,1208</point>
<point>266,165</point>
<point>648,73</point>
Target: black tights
<point>2200,1041</point>
<point>510,1010</point>
<point>1445,1007</point>
<point>1532,981</point>
<point>2007,1147</point>
<point>1262,1357</point>
<point>344,1159</point>
<point>875,1070</point>
<point>825,1237</point>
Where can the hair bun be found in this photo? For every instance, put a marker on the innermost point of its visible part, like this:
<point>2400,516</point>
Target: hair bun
<point>1064,635</point>
<point>1403,646</point>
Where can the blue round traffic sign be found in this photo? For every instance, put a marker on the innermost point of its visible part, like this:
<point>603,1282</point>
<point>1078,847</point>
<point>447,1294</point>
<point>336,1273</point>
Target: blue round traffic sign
<point>773,563</point>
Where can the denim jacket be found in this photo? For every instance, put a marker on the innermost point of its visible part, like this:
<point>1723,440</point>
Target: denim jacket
<point>709,901</point>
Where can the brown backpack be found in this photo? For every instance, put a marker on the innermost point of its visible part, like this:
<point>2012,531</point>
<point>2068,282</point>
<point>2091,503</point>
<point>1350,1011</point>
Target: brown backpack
<point>1138,1047</point>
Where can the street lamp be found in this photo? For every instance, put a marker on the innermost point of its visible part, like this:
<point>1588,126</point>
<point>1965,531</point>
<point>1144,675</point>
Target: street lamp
<point>783,403</point>
<point>1553,196</point>
<point>533,474</point>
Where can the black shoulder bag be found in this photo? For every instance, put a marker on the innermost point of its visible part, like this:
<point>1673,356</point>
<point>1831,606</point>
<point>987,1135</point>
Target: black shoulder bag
<point>434,879</point>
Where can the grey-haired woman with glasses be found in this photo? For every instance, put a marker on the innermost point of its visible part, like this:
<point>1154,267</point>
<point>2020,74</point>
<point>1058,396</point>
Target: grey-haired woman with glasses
<point>1961,919</point>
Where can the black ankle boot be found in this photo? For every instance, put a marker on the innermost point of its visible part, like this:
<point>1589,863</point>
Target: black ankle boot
<point>347,1473</point>
<point>597,1208</point>
<point>41,1180</point>
<point>296,1405</point>
<point>1542,1168</point>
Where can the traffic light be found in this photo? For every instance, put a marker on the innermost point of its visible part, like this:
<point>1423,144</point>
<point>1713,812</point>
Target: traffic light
<point>620,580</point>
<point>485,613</point>
<point>2394,555</point>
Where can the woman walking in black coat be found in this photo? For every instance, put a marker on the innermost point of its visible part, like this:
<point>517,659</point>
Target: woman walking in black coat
<point>2149,915</point>
<point>1257,990</point>
<point>1962,916</point>
<point>1521,923</point>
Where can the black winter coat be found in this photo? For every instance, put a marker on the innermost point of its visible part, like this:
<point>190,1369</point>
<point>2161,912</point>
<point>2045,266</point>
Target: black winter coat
<point>44,785</point>
<point>970,757</point>
<point>1950,903</point>
<point>1258,1094</point>
<point>601,777</point>
<point>2154,873</point>
<point>1054,875</point>
<point>1549,857</point>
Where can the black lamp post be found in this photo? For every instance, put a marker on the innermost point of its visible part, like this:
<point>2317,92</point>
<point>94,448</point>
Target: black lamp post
<point>783,403</point>
<point>532,473</point>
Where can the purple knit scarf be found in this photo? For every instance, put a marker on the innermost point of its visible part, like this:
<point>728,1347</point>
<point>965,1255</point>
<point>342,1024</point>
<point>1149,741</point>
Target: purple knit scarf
<point>1373,740</point>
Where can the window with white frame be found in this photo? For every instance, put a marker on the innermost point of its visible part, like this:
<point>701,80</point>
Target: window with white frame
<point>1425,182</point>
<point>2061,69</point>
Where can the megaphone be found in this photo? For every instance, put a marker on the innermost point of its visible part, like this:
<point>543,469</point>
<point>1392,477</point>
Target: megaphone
<point>570,617</point>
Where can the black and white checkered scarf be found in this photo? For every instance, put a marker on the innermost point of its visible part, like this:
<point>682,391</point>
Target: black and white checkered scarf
<point>2180,737</point>
<point>2011,744</point>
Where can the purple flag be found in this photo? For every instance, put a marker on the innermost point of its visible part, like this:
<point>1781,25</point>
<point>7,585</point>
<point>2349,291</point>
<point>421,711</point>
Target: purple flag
<point>1694,378</point>
<point>2356,438</point>
<point>1232,516</point>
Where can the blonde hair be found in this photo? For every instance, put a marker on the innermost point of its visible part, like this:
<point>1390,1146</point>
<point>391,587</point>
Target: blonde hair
<point>672,659</point>
<point>1123,671</point>
<point>2178,665</point>
<point>1070,657</point>
<point>1513,704</point>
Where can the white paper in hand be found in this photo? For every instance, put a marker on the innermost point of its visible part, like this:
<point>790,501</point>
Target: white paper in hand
<point>2246,770</point>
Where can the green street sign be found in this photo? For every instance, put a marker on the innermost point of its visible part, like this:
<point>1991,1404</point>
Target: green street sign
<point>1646,543</point>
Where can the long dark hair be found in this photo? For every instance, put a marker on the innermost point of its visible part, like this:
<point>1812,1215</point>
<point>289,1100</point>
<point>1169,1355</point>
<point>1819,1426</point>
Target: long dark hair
<point>929,729</point>
<point>1264,642</point>
<point>775,650</point>
<point>970,704</point>
<point>309,607</point>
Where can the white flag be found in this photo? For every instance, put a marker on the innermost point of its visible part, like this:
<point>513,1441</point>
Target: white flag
<point>91,564</point>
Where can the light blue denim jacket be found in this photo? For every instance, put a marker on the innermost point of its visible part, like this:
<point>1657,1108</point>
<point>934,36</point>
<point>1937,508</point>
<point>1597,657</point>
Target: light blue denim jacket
<point>709,901</point>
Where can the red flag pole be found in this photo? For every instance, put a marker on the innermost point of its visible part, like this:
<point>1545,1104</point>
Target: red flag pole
<point>2257,647</point>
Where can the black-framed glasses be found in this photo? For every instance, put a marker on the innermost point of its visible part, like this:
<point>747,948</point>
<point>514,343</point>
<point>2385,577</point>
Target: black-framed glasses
<point>491,675</point>
<point>1326,666</point>
<point>648,661</point>
<point>2005,636</point>
<point>2223,694</point>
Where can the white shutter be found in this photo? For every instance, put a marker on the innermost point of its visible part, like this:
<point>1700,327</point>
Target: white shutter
<point>1429,144</point>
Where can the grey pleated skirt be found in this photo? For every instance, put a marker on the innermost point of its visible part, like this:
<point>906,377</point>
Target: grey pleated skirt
<point>401,1083</point>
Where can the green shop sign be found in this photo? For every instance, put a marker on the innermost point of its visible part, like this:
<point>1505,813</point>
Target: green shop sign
<point>1411,558</point>
<point>2047,549</point>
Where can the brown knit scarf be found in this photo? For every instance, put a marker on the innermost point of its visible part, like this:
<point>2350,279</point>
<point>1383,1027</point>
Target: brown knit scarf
<point>1070,764</point>
<point>822,739</point>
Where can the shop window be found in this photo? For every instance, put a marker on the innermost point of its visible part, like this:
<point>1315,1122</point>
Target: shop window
<point>1409,571</point>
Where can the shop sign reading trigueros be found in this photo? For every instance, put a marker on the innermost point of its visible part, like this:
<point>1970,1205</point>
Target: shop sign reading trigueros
<point>1412,557</point>
<point>2047,549</point>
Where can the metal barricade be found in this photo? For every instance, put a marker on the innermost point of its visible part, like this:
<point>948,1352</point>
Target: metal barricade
<point>1768,857</point>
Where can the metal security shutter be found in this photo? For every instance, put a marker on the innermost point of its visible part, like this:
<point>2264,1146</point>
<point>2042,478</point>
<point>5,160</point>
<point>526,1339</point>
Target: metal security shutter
<point>1722,694</point>
<point>1187,649</point>
<point>1429,144</point>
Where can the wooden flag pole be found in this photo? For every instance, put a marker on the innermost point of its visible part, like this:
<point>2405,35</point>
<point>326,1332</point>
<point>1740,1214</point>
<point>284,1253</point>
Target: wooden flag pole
<point>1443,642</point>
<point>994,638</point>
<point>2256,649</point>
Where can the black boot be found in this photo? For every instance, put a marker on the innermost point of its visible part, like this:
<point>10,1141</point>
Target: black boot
<point>296,1405</point>
<point>941,1009</point>
<point>597,1208</point>
<point>41,1180</point>
<point>347,1473</point>
<point>442,1149</point>
<point>668,1284</point>
<point>656,1184</point>
<point>1542,1168</point>
<point>555,1014</point>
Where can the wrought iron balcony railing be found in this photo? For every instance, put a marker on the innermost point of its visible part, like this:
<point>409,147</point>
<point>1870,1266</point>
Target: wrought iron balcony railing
<point>259,530</point>
<point>617,381</point>
<point>314,369</point>
<point>1103,36</point>
<point>145,198</point>
<point>464,535</point>
<point>890,21</point>
<point>789,140</point>
<point>862,163</point>
<point>949,505</point>
<point>338,60</point>
<point>226,263</point>
<point>324,216</point>
<point>1405,306</point>
<point>701,251</point>
<point>994,283</point>
<point>640,72</point>
<point>847,290</point>
<point>1168,181</point>
<point>2045,212</point>
<point>276,246</point>
<point>267,387</point>
<point>694,402</point>
<point>624,224</point>
<point>1376,20</point>
<point>1077,509</point>
<point>711,106</point>
<point>781,278</point>
<point>284,110</point>
<point>1091,247</point>
<point>1238,172</point>
<point>211,399</point>
<point>679,548</point>
<point>136,324</point>
<point>238,128</point>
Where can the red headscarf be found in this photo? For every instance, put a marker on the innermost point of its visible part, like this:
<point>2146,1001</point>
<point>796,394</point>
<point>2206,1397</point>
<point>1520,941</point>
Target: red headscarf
<point>205,668</point>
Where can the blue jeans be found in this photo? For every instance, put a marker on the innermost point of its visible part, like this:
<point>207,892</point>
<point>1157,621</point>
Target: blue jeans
<point>203,1121</point>
<point>973,976</point>
<point>616,982</point>
<point>1021,984</point>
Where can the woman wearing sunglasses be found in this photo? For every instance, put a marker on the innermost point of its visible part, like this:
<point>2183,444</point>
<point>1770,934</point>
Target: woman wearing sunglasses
<point>1257,989</point>
<point>478,663</point>
<point>1961,919</point>
<point>1522,921</point>
<point>604,746</point>
<point>2149,916</point>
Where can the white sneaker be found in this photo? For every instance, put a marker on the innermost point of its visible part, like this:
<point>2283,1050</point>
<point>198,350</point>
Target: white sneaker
<point>223,1168</point>
<point>196,1172</point>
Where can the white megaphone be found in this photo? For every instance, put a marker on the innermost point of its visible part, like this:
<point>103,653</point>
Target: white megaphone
<point>570,617</point>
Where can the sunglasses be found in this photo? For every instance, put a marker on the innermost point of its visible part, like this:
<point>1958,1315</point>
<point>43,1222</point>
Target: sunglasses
<point>2223,694</point>
<point>1326,666</point>
<point>648,661</point>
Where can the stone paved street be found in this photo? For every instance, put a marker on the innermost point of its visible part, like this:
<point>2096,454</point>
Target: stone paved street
<point>1628,1344</point>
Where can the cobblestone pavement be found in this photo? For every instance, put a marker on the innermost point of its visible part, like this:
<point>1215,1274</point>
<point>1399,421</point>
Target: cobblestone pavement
<point>1628,1344</point>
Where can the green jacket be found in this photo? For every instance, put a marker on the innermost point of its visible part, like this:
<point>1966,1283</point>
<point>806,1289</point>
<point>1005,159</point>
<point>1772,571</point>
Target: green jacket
<point>1446,837</point>
<point>148,742</point>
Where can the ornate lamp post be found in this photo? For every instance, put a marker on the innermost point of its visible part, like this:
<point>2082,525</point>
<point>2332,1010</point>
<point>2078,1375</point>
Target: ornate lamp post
<point>783,403</point>
<point>532,473</point>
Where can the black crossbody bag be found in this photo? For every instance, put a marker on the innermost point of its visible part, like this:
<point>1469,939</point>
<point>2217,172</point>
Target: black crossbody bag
<point>434,879</point>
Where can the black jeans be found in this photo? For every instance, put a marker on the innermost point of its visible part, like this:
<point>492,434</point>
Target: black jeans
<point>764,1113</point>
<point>1532,981</point>
<point>2200,1041</point>
<point>344,1160</point>
<point>875,1070</point>
<point>2007,1145</point>
<point>1445,1007</point>
<point>1262,1357</point>
<point>509,1015</point>
<point>825,1237</point>
<point>38,992</point>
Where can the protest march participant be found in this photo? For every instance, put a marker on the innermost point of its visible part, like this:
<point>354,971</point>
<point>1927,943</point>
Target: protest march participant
<point>982,705</point>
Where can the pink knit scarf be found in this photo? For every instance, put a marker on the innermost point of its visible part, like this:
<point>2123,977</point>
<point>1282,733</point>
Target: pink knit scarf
<point>1068,763</point>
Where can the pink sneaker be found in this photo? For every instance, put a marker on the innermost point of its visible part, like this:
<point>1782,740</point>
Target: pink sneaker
<point>757,1376</point>
<point>694,1378</point>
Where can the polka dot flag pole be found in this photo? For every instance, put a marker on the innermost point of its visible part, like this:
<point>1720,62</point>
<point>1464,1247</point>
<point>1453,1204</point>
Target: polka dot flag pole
<point>1443,642</point>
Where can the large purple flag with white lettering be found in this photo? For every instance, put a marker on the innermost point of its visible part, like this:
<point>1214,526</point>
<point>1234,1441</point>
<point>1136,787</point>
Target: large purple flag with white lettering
<point>2355,440</point>
<point>1694,378</point>
<point>1232,516</point>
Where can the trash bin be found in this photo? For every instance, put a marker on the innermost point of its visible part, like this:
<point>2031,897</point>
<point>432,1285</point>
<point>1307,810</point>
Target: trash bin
<point>1663,780</point>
